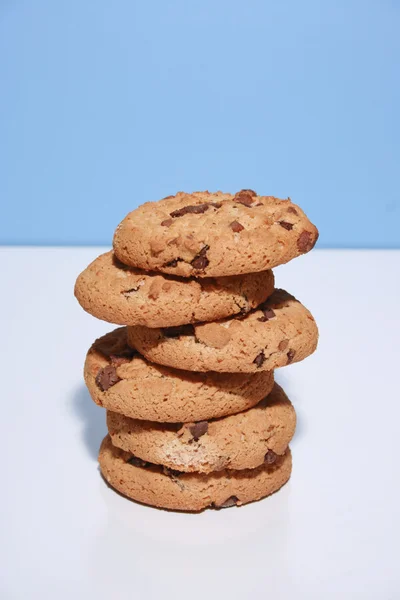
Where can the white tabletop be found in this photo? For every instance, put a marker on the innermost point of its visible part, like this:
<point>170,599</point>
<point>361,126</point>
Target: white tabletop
<point>332,532</point>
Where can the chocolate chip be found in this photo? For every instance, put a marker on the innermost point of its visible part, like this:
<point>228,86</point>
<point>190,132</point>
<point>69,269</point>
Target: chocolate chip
<point>173,263</point>
<point>231,501</point>
<point>216,204</point>
<point>246,201</point>
<point>259,359</point>
<point>236,226</point>
<point>167,222</point>
<point>171,472</point>
<point>286,225</point>
<point>245,197</point>
<point>107,377</point>
<point>283,345</point>
<point>198,429</point>
<point>174,476</point>
<point>305,241</point>
<point>291,209</point>
<point>137,462</point>
<point>127,293</point>
<point>178,331</point>
<point>201,261</point>
<point>196,209</point>
<point>290,356</point>
<point>270,457</point>
<point>268,314</point>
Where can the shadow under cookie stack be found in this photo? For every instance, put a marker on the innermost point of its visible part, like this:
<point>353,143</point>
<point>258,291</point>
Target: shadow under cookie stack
<point>195,419</point>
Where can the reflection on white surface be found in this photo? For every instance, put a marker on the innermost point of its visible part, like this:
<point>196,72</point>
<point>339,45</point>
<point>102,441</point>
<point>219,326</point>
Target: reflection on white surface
<point>210,527</point>
<point>171,546</point>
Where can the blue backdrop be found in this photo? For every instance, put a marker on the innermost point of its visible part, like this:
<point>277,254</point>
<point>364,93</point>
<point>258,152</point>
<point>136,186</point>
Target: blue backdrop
<point>104,105</point>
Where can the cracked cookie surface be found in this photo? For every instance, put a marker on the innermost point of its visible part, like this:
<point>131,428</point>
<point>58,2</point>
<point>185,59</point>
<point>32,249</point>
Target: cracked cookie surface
<point>280,331</point>
<point>121,380</point>
<point>242,441</point>
<point>113,292</point>
<point>214,234</point>
<point>165,488</point>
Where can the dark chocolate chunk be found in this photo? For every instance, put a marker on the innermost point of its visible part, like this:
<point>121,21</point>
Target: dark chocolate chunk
<point>305,242</point>
<point>245,201</point>
<point>171,472</point>
<point>245,197</point>
<point>201,261</point>
<point>172,332</point>
<point>270,457</point>
<point>107,377</point>
<point>236,226</point>
<point>286,225</point>
<point>291,209</point>
<point>259,359</point>
<point>290,356</point>
<point>196,209</point>
<point>250,192</point>
<point>216,204</point>
<point>167,222</point>
<point>231,501</point>
<point>137,462</point>
<point>174,476</point>
<point>127,293</point>
<point>198,429</point>
<point>268,314</point>
<point>173,263</point>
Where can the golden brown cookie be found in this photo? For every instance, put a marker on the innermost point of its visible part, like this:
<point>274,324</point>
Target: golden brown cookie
<point>242,441</point>
<point>212,235</point>
<point>121,380</point>
<point>111,291</point>
<point>162,487</point>
<point>277,333</point>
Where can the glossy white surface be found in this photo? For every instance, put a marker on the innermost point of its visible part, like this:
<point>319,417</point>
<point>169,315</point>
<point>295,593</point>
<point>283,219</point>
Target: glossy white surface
<point>332,532</point>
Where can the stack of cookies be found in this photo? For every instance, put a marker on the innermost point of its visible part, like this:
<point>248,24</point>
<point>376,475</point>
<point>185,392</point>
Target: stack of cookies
<point>195,419</point>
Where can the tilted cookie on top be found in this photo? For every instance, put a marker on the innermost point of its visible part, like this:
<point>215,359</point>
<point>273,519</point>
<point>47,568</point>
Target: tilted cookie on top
<point>214,234</point>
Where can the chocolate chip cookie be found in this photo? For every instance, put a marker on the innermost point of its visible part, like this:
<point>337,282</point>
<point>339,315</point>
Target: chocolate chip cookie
<point>280,331</point>
<point>242,441</point>
<point>111,291</point>
<point>211,235</point>
<point>166,488</point>
<point>121,380</point>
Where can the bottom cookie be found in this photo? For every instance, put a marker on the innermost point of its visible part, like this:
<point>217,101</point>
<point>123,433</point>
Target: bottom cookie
<point>165,488</point>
